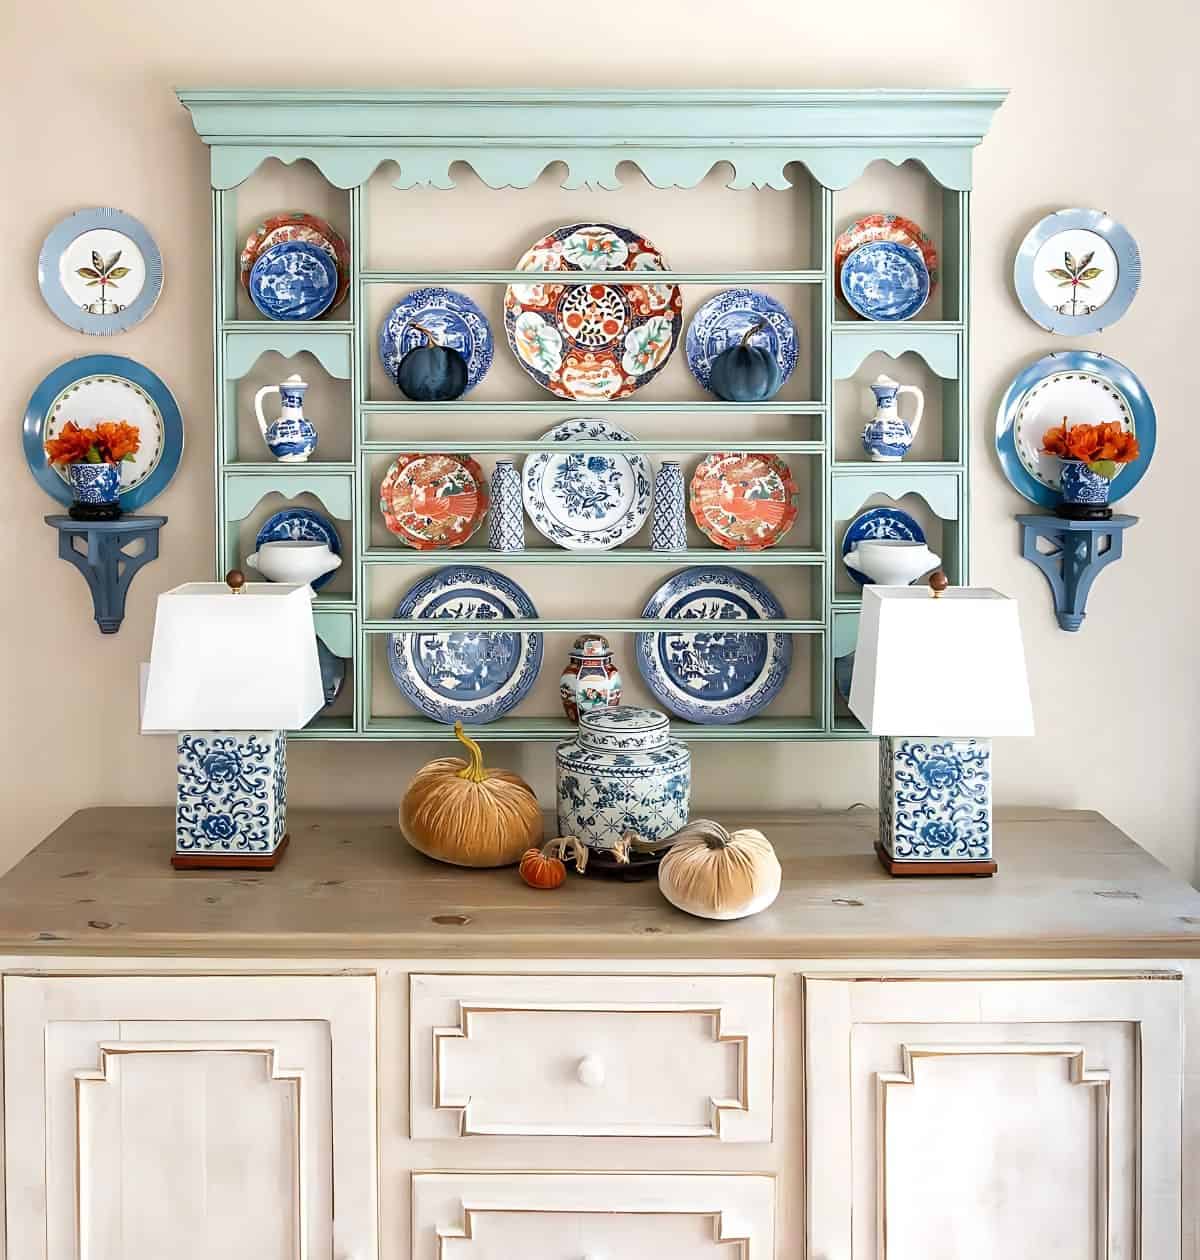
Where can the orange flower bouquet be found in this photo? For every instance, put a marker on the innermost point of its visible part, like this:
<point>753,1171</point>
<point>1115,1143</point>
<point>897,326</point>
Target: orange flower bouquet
<point>92,459</point>
<point>1092,455</point>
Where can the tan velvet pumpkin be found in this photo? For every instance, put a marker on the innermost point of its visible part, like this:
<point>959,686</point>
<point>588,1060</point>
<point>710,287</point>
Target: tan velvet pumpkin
<point>459,812</point>
<point>717,875</point>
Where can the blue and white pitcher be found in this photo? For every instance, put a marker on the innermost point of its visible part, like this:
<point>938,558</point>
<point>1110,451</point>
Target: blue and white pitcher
<point>291,438</point>
<point>887,437</point>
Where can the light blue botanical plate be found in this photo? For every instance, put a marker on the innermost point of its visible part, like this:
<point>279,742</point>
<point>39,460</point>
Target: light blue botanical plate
<point>453,319</point>
<point>587,501</point>
<point>466,675</point>
<point>292,281</point>
<point>884,280</point>
<point>875,523</point>
<point>714,677</point>
<point>301,525</point>
<point>722,322</point>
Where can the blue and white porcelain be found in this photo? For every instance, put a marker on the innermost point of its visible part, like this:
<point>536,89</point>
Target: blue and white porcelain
<point>301,525</point>
<point>291,437</point>
<point>232,794</point>
<point>506,522</point>
<point>888,437</point>
<point>714,677</point>
<point>454,321</point>
<point>1080,484</point>
<point>622,773</point>
<point>333,671</point>
<point>879,523</point>
<point>722,321</point>
<point>293,280</point>
<point>587,500</point>
<point>467,675</point>
<point>668,519</point>
<point>103,387</point>
<point>883,280</point>
<point>843,675</point>
<point>94,484</point>
<point>1087,388</point>
<point>935,799</point>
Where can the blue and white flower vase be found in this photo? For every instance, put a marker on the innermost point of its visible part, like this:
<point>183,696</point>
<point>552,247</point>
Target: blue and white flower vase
<point>291,438</point>
<point>668,517</point>
<point>622,773</point>
<point>887,437</point>
<point>95,490</point>
<point>1084,492</point>
<point>506,523</point>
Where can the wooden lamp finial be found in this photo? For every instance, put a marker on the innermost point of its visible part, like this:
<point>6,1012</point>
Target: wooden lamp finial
<point>938,582</point>
<point>235,579</point>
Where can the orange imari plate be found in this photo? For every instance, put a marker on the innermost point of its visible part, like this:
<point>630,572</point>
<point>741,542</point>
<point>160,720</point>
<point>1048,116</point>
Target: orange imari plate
<point>433,501</point>
<point>885,227</point>
<point>743,502</point>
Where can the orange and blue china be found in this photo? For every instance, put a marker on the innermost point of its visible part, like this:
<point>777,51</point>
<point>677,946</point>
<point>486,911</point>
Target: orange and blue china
<point>887,436</point>
<point>733,317</point>
<point>301,525</point>
<point>743,502</point>
<point>295,225</point>
<point>885,227</point>
<point>293,281</point>
<point>885,281</point>
<point>446,317</point>
<point>716,676</point>
<point>590,680</point>
<point>879,523</point>
<point>291,437</point>
<point>592,339</point>
<point>433,501</point>
<point>470,674</point>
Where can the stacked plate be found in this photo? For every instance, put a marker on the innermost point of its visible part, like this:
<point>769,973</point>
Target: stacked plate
<point>295,266</point>
<point>886,267</point>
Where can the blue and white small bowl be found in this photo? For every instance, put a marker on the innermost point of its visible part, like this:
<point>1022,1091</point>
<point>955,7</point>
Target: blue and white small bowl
<point>293,280</point>
<point>96,485</point>
<point>883,280</point>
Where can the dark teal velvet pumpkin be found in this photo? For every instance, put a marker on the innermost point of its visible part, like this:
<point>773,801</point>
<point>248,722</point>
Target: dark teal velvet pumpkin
<point>745,373</point>
<point>431,373</point>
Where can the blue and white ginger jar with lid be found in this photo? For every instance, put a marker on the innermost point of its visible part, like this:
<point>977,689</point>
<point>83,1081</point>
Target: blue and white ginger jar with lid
<point>623,772</point>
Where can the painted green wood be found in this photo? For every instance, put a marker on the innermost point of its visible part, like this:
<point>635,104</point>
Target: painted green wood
<point>243,349</point>
<point>244,490</point>
<point>502,446</point>
<point>337,631</point>
<point>621,555</point>
<point>547,730</point>
<point>617,625</point>
<point>566,411</point>
<point>845,633</point>
<point>852,489</point>
<point>568,278</point>
<point>852,345</point>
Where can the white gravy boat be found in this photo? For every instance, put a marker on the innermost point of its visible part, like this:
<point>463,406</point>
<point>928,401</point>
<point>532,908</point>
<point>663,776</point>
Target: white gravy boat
<point>891,561</point>
<point>293,560</point>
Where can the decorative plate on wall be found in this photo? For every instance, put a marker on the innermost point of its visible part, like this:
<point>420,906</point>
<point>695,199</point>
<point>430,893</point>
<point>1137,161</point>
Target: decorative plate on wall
<point>743,502</point>
<point>295,225</point>
<point>468,675</point>
<point>452,319</point>
<point>724,319</point>
<point>594,340</point>
<point>293,281</point>
<point>107,387</point>
<point>1077,271</point>
<point>1085,387</point>
<point>715,677</point>
<point>879,523</point>
<point>885,227</point>
<point>433,501</point>
<point>301,525</point>
<point>885,281</point>
<point>100,271</point>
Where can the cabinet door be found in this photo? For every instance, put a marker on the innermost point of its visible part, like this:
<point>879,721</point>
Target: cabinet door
<point>190,1117</point>
<point>994,1118</point>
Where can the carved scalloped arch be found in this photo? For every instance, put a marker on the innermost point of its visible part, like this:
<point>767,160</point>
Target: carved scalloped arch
<point>852,346</point>
<point>244,349</point>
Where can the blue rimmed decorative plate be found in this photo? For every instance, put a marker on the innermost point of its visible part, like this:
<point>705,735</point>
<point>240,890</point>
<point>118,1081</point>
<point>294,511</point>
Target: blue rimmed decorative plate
<point>293,281</point>
<point>467,675</point>
<point>1085,387</point>
<point>453,320</point>
<point>877,523</point>
<point>1077,271</point>
<point>723,320</point>
<point>100,271</point>
<point>715,677</point>
<point>107,387</point>
<point>587,501</point>
<point>883,280</point>
<point>301,525</point>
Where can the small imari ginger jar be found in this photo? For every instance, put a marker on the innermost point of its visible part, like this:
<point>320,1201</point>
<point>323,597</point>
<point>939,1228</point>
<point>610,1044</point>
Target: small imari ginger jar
<point>96,490</point>
<point>590,679</point>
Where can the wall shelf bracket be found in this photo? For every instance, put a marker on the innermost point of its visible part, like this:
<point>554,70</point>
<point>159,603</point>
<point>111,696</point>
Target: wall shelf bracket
<point>103,561</point>
<point>1078,551</point>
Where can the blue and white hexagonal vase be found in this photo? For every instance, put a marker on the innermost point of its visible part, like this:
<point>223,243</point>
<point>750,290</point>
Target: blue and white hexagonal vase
<point>506,522</point>
<point>935,800</point>
<point>668,517</point>
<point>231,800</point>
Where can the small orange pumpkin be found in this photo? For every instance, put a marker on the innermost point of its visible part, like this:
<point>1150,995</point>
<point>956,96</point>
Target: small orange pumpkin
<point>546,867</point>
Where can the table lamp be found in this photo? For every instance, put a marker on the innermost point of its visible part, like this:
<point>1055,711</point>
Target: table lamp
<point>938,670</point>
<point>233,666</point>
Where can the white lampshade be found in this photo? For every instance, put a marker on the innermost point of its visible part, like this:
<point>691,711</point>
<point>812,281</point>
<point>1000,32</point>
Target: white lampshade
<point>953,666</point>
<point>233,662</point>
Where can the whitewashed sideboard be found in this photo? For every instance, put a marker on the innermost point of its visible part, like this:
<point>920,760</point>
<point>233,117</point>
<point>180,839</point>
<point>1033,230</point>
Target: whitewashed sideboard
<point>367,1056</point>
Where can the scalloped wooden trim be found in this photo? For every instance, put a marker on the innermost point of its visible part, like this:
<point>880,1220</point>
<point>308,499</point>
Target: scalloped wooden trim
<point>939,490</point>
<point>244,349</point>
<point>243,491</point>
<point>852,346</point>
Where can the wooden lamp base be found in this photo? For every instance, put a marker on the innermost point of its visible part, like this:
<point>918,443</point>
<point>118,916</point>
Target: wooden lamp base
<point>899,867</point>
<point>230,861</point>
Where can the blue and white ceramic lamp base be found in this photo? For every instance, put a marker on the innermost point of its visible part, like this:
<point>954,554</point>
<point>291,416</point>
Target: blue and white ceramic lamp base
<point>935,806</point>
<point>231,801</point>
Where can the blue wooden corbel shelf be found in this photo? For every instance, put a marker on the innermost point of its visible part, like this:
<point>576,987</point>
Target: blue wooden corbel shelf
<point>1079,550</point>
<point>102,560</point>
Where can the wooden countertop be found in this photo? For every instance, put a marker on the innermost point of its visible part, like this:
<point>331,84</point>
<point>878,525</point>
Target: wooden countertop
<point>1070,885</point>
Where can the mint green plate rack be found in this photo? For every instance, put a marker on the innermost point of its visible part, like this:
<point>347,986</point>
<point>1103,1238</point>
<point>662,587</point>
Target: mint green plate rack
<point>674,138</point>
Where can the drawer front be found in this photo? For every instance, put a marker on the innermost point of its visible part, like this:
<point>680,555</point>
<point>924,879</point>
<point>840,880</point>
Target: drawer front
<point>592,1056</point>
<point>565,1216</point>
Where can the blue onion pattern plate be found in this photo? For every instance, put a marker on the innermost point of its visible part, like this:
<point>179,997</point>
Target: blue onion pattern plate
<point>465,675</point>
<point>301,525</point>
<point>587,500</point>
<point>876,523</point>
<point>293,280</point>
<point>722,322</point>
<point>884,280</point>
<point>714,677</point>
<point>453,319</point>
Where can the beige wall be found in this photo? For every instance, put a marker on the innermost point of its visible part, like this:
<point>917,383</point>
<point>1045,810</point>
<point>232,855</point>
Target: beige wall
<point>1102,113</point>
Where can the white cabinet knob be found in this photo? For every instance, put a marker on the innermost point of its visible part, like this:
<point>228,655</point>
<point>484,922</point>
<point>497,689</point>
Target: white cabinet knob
<point>591,1073</point>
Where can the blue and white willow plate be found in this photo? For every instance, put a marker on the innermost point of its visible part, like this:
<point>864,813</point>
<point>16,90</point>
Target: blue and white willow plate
<point>453,319</point>
<point>301,525</point>
<point>876,523</point>
<point>293,280</point>
<point>715,677</point>
<point>468,675</point>
<point>587,501</point>
<point>884,280</point>
<point>722,322</point>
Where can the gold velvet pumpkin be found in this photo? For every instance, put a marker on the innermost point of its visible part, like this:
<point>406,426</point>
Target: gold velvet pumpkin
<point>459,812</point>
<point>718,875</point>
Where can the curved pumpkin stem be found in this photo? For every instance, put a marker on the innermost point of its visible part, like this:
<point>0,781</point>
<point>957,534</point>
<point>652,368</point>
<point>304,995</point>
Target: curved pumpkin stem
<point>762,323</point>
<point>474,771</point>
<point>711,832</point>
<point>430,339</point>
